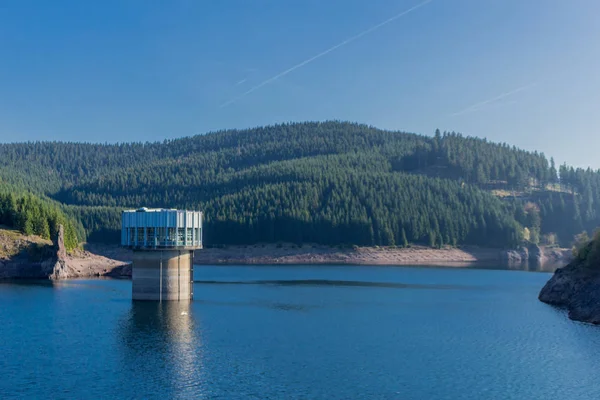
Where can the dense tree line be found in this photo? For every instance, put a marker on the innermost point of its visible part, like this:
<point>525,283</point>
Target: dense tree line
<point>329,182</point>
<point>365,209</point>
<point>48,165</point>
<point>351,198</point>
<point>302,212</point>
<point>575,207</point>
<point>478,161</point>
<point>34,216</point>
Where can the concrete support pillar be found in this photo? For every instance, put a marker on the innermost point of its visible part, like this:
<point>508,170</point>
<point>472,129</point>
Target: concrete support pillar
<point>162,275</point>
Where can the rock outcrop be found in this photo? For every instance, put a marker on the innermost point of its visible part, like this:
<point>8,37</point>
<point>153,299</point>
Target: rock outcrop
<point>575,287</point>
<point>515,257</point>
<point>56,266</point>
<point>536,258</point>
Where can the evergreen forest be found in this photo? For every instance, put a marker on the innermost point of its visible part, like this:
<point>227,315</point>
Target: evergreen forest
<point>332,183</point>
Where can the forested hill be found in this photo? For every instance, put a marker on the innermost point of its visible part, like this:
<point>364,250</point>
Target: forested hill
<point>330,183</point>
<point>37,216</point>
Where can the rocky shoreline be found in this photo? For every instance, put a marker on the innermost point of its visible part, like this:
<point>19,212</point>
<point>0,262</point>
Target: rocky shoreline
<point>33,258</point>
<point>288,254</point>
<point>575,288</point>
<point>416,255</point>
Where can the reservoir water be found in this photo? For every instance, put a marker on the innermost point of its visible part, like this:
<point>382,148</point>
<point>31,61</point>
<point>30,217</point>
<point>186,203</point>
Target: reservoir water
<point>305,332</point>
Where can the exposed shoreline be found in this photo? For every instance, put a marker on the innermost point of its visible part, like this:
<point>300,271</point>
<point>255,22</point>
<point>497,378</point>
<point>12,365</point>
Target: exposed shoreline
<point>104,260</point>
<point>575,288</point>
<point>287,254</point>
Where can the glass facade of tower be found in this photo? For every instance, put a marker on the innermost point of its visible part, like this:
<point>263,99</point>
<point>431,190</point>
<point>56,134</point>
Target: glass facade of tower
<point>161,229</point>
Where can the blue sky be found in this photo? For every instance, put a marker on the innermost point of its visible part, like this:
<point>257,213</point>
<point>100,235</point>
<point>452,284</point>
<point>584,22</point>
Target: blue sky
<point>518,71</point>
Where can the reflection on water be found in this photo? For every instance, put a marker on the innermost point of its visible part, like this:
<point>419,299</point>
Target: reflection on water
<point>530,266</point>
<point>545,267</point>
<point>169,319</point>
<point>162,336</point>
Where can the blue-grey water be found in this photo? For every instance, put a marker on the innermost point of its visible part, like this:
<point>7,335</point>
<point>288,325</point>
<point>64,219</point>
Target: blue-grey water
<point>306,332</point>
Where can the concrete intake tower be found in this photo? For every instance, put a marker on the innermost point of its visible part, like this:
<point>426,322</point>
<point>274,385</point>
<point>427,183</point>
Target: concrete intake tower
<point>163,243</point>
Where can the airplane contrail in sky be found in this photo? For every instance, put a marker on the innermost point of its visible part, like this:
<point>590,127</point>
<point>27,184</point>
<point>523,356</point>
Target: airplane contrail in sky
<point>478,106</point>
<point>323,53</point>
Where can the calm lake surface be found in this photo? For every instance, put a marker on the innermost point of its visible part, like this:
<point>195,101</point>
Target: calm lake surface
<point>298,332</point>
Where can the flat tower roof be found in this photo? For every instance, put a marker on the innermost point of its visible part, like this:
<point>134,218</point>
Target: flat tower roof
<point>145,209</point>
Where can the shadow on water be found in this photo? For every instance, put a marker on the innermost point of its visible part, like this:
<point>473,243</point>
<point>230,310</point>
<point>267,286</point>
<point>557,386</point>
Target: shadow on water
<point>89,282</point>
<point>28,282</point>
<point>161,342</point>
<point>339,283</point>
